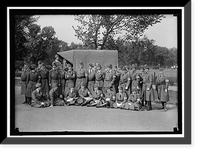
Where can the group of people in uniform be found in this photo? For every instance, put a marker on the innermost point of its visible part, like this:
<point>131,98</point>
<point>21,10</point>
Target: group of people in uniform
<point>92,87</point>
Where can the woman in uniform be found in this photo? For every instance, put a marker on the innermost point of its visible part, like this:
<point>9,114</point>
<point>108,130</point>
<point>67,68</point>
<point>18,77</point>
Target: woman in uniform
<point>23,82</point>
<point>69,78</point>
<point>110,98</point>
<point>98,99</point>
<point>148,92</point>
<point>162,86</point>
<point>91,78</point>
<point>44,74</point>
<point>71,97</point>
<point>62,81</point>
<point>37,100</point>
<point>57,63</point>
<point>121,98</point>
<point>54,77</point>
<point>136,84</point>
<point>84,95</point>
<point>99,77</point>
<point>81,75</point>
<point>134,102</point>
<point>125,81</point>
<point>55,99</point>
<point>32,78</point>
<point>109,79</point>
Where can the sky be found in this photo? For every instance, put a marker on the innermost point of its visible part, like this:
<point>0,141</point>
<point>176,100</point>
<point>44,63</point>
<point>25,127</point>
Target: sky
<point>164,33</point>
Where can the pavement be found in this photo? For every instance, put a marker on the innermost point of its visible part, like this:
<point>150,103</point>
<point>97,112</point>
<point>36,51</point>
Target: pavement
<point>77,118</point>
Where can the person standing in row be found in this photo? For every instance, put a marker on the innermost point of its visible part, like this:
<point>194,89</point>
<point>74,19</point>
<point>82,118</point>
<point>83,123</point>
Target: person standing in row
<point>125,81</point>
<point>69,78</point>
<point>62,81</point>
<point>81,75</point>
<point>148,92</point>
<point>109,79</point>
<point>23,82</point>
<point>162,87</point>
<point>57,63</point>
<point>91,78</point>
<point>54,77</point>
<point>44,74</point>
<point>117,78</point>
<point>136,84</point>
<point>99,77</point>
<point>32,78</point>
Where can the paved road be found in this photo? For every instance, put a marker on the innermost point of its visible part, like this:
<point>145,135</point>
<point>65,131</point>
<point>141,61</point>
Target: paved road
<point>77,118</point>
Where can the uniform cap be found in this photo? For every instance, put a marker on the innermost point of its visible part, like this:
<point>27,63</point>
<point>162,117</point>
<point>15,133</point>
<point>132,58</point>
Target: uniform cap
<point>109,66</point>
<point>90,64</point>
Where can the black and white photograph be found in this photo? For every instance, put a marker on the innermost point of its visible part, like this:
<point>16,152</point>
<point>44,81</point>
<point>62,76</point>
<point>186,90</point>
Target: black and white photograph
<point>96,72</point>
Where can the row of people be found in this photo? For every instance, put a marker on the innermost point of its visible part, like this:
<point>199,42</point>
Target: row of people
<point>65,78</point>
<point>85,98</point>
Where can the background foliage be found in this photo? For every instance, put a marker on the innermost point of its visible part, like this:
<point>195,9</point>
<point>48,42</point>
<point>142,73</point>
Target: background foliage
<point>119,32</point>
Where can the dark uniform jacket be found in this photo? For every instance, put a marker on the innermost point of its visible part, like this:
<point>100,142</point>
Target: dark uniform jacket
<point>110,95</point>
<point>109,78</point>
<point>32,79</point>
<point>99,77</point>
<point>121,97</point>
<point>54,78</point>
<point>70,94</point>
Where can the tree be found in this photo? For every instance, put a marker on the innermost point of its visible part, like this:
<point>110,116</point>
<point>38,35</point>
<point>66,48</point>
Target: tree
<point>22,24</point>
<point>41,44</point>
<point>94,30</point>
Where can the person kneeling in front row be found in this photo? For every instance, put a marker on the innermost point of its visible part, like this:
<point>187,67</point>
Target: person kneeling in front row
<point>55,100</point>
<point>37,99</point>
<point>110,98</point>
<point>134,102</point>
<point>121,98</point>
<point>84,95</point>
<point>71,97</point>
<point>98,99</point>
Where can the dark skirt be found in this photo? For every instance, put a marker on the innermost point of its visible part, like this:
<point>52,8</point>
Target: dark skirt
<point>30,88</point>
<point>149,95</point>
<point>44,86</point>
<point>62,87</point>
<point>78,82</point>
<point>91,86</point>
<point>162,94</point>
<point>23,87</point>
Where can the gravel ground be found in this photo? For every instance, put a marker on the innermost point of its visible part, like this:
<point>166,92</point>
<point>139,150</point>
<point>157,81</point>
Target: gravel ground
<point>77,118</point>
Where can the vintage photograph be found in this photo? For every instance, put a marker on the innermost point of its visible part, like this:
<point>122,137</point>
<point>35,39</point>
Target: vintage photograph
<point>96,72</point>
